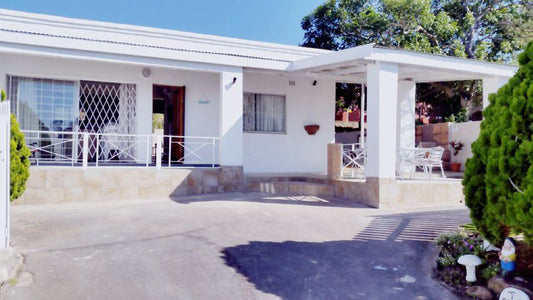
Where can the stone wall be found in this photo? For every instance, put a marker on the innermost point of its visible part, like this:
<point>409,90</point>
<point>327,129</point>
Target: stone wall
<point>443,133</point>
<point>391,193</point>
<point>65,184</point>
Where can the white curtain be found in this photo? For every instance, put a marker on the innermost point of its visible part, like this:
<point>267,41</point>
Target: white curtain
<point>26,104</point>
<point>270,113</point>
<point>248,112</point>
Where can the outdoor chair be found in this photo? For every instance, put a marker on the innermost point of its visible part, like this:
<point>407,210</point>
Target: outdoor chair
<point>406,162</point>
<point>432,158</point>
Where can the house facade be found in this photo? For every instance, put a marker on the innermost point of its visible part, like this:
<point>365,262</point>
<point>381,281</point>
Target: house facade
<point>95,97</point>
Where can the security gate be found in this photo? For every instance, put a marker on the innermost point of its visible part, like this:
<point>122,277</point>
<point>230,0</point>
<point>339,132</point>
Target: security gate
<point>5,123</point>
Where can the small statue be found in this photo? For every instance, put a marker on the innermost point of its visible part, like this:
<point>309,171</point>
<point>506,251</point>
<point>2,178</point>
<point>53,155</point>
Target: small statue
<point>508,257</point>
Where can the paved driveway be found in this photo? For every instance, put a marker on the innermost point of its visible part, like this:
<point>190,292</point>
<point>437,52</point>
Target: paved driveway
<point>232,246</point>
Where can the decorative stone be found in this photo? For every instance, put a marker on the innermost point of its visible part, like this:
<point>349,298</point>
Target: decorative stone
<point>497,284</point>
<point>513,294</point>
<point>479,292</point>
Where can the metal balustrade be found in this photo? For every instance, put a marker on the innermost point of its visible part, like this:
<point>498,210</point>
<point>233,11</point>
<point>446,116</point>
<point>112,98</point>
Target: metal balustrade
<point>353,161</point>
<point>89,149</point>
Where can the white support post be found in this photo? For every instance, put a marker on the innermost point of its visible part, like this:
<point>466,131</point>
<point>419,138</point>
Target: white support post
<point>148,152</point>
<point>406,114</point>
<point>158,151</point>
<point>231,110</point>
<point>491,85</point>
<point>213,146</point>
<point>85,150</point>
<point>363,100</point>
<point>382,80</point>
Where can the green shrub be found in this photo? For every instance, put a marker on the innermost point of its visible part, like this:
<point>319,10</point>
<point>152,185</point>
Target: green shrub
<point>498,181</point>
<point>19,158</point>
<point>490,271</point>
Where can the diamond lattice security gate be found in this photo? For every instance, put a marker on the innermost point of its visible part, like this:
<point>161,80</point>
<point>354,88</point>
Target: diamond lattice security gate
<point>109,109</point>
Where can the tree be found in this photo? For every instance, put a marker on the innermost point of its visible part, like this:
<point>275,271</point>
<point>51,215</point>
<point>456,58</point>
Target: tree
<point>498,182</point>
<point>19,158</point>
<point>492,30</point>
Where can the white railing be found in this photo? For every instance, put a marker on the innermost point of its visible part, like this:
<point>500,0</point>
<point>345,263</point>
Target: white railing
<point>88,149</point>
<point>353,161</point>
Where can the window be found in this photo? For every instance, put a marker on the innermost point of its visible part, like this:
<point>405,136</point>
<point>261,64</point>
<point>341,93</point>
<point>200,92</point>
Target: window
<point>263,113</point>
<point>44,104</point>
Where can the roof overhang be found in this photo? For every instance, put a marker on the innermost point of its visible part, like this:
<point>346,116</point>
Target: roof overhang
<point>350,65</point>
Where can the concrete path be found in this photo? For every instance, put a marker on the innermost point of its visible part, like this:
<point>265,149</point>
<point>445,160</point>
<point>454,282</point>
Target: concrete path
<point>232,246</point>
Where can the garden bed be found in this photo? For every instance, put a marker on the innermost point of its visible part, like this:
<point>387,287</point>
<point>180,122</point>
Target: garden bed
<point>466,241</point>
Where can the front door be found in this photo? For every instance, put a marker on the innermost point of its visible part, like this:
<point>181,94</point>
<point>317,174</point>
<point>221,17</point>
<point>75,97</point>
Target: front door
<point>168,118</point>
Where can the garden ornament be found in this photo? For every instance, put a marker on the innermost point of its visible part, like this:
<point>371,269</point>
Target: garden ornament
<point>470,262</point>
<point>508,257</point>
<point>511,293</point>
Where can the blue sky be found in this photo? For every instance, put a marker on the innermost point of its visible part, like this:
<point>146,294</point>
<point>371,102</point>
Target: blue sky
<point>263,20</point>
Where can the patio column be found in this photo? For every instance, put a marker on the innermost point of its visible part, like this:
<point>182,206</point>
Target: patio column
<point>406,114</point>
<point>382,81</point>
<point>231,105</point>
<point>491,85</point>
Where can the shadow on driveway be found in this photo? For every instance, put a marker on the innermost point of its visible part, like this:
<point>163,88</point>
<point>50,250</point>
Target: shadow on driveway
<point>392,257</point>
<point>273,199</point>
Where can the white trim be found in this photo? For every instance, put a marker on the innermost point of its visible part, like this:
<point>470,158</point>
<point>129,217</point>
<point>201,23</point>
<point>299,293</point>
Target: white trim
<point>40,20</point>
<point>442,62</point>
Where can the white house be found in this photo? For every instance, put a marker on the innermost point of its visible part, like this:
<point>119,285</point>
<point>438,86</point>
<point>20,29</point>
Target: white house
<point>191,113</point>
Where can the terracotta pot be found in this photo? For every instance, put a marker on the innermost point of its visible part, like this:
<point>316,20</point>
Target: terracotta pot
<point>455,167</point>
<point>311,129</point>
<point>345,116</point>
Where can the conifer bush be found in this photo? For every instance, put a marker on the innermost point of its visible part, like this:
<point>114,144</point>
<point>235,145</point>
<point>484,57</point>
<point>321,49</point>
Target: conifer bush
<point>19,158</point>
<point>498,181</point>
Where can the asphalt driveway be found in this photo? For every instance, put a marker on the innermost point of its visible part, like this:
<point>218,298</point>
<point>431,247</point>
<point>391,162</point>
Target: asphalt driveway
<point>231,246</point>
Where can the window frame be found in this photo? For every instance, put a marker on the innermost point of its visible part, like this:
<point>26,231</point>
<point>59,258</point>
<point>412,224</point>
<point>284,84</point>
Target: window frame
<point>284,117</point>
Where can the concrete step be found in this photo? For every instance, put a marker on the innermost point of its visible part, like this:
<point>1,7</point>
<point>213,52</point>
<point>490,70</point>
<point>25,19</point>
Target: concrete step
<point>287,178</point>
<point>302,188</point>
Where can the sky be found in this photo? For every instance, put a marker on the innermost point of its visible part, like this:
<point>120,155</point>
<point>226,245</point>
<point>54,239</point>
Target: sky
<point>275,21</point>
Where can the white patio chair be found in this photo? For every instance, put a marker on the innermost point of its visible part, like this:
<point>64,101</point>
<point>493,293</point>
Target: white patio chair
<point>433,159</point>
<point>110,141</point>
<point>406,162</point>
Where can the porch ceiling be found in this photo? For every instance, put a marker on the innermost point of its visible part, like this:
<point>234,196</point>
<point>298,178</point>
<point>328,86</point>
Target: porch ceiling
<point>350,65</point>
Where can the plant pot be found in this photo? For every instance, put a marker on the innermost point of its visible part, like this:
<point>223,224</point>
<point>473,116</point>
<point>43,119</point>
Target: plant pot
<point>345,116</point>
<point>455,167</point>
<point>311,129</point>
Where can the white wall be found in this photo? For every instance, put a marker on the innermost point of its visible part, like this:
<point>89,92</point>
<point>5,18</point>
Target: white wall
<point>200,119</point>
<point>467,133</point>
<point>294,151</point>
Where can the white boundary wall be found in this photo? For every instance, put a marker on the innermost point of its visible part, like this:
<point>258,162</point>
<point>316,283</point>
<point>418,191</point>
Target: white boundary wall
<point>467,133</point>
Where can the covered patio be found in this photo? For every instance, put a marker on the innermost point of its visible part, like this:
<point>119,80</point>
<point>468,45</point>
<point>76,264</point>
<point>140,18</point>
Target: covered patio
<point>384,163</point>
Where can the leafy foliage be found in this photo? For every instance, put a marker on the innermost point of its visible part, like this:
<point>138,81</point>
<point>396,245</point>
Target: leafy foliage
<point>488,30</point>
<point>479,29</point>
<point>498,182</point>
<point>19,158</point>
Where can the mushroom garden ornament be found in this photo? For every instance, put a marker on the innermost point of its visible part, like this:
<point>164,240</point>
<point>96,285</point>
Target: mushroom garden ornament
<point>470,262</point>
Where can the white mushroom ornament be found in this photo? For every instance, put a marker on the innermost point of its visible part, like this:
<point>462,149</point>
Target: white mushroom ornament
<point>470,262</point>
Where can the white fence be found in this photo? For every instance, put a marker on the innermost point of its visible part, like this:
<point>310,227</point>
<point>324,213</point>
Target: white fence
<point>5,130</point>
<point>88,149</point>
<point>353,161</point>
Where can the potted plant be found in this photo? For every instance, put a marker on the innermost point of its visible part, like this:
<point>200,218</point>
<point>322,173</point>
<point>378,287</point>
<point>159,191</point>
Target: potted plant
<point>455,146</point>
<point>312,128</point>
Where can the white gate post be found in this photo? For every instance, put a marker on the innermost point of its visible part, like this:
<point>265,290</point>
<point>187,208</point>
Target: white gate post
<point>5,137</point>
